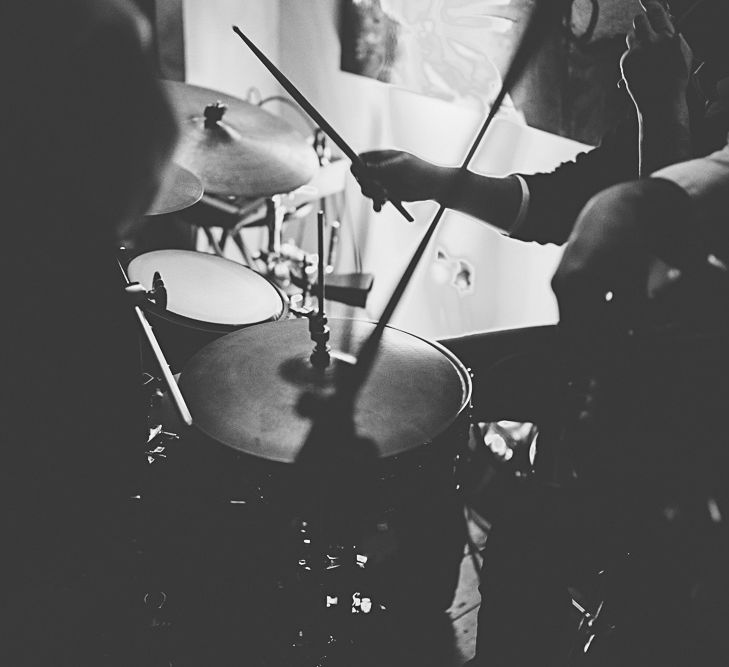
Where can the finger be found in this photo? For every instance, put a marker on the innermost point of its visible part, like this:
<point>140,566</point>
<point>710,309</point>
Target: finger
<point>370,188</point>
<point>643,30</point>
<point>379,158</point>
<point>659,18</point>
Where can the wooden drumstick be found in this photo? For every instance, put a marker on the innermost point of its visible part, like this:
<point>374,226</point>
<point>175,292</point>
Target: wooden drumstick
<point>159,356</point>
<point>315,115</point>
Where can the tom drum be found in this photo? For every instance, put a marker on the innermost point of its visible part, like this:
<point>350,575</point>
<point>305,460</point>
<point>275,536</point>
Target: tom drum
<point>207,297</point>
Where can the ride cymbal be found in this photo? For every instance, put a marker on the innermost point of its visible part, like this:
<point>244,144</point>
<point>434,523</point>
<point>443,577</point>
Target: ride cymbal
<point>237,148</point>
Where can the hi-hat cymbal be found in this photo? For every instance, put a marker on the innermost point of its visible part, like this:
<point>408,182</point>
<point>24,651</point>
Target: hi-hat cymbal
<point>243,389</point>
<point>245,152</point>
<point>179,189</point>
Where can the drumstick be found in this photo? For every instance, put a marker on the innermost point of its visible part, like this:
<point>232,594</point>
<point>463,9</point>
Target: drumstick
<point>315,115</point>
<point>159,356</point>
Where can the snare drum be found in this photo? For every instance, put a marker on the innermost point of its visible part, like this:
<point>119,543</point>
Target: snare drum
<point>207,297</point>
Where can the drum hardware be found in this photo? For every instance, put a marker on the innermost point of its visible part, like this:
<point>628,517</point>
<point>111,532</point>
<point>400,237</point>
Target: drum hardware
<point>277,267</point>
<point>318,329</point>
<point>348,288</point>
<point>302,304</point>
<point>156,295</point>
<point>292,268</point>
<point>324,155</point>
<point>231,215</point>
<point>592,626</point>
<point>157,437</point>
<point>158,443</point>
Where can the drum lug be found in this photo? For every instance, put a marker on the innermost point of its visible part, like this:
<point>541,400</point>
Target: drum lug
<point>157,296</point>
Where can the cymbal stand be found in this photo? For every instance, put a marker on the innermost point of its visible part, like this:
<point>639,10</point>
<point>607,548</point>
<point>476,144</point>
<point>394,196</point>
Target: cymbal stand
<point>331,608</point>
<point>323,154</point>
<point>245,214</point>
<point>320,357</point>
<point>276,265</point>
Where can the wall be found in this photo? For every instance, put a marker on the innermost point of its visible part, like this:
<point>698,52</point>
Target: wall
<point>216,57</point>
<point>510,285</point>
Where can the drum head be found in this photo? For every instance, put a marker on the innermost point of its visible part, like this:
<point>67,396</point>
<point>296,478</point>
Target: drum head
<point>243,388</point>
<point>208,288</point>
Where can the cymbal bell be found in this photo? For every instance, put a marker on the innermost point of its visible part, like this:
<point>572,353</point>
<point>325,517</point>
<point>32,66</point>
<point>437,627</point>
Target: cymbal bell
<point>243,388</point>
<point>237,148</point>
<point>180,188</point>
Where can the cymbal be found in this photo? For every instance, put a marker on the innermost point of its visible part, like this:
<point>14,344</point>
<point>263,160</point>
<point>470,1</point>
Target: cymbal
<point>243,388</point>
<point>180,188</point>
<point>246,151</point>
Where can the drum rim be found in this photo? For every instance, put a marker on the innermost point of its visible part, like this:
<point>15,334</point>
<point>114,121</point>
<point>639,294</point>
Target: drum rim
<point>466,380</point>
<point>204,325</point>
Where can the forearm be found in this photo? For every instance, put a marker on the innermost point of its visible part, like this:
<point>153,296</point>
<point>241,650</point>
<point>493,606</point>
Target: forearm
<point>494,200</point>
<point>664,136</point>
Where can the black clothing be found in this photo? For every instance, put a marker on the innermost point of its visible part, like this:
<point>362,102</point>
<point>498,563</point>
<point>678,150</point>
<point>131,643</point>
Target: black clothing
<point>658,442</point>
<point>557,197</point>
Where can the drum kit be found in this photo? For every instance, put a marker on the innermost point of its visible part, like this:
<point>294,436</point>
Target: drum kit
<point>258,377</point>
<point>338,424</point>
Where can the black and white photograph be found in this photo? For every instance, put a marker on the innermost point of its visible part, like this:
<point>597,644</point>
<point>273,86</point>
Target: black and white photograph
<point>365,333</point>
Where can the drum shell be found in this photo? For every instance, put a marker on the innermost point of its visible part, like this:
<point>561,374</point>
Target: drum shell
<point>181,337</point>
<point>412,528</point>
<point>216,289</point>
<point>222,474</point>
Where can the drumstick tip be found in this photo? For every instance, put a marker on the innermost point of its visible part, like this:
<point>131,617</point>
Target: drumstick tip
<point>405,213</point>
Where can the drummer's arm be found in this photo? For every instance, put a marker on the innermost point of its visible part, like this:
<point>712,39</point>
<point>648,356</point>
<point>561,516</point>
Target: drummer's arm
<point>498,201</point>
<point>407,177</point>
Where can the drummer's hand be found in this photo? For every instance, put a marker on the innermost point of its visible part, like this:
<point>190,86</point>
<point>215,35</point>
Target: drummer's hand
<point>657,63</point>
<point>401,176</point>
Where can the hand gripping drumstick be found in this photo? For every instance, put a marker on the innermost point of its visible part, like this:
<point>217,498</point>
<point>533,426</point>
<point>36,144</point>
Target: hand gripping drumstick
<point>289,87</point>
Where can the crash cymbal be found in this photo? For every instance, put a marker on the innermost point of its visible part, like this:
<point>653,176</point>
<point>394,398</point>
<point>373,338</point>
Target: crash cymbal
<point>243,389</point>
<point>179,189</point>
<point>238,148</point>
